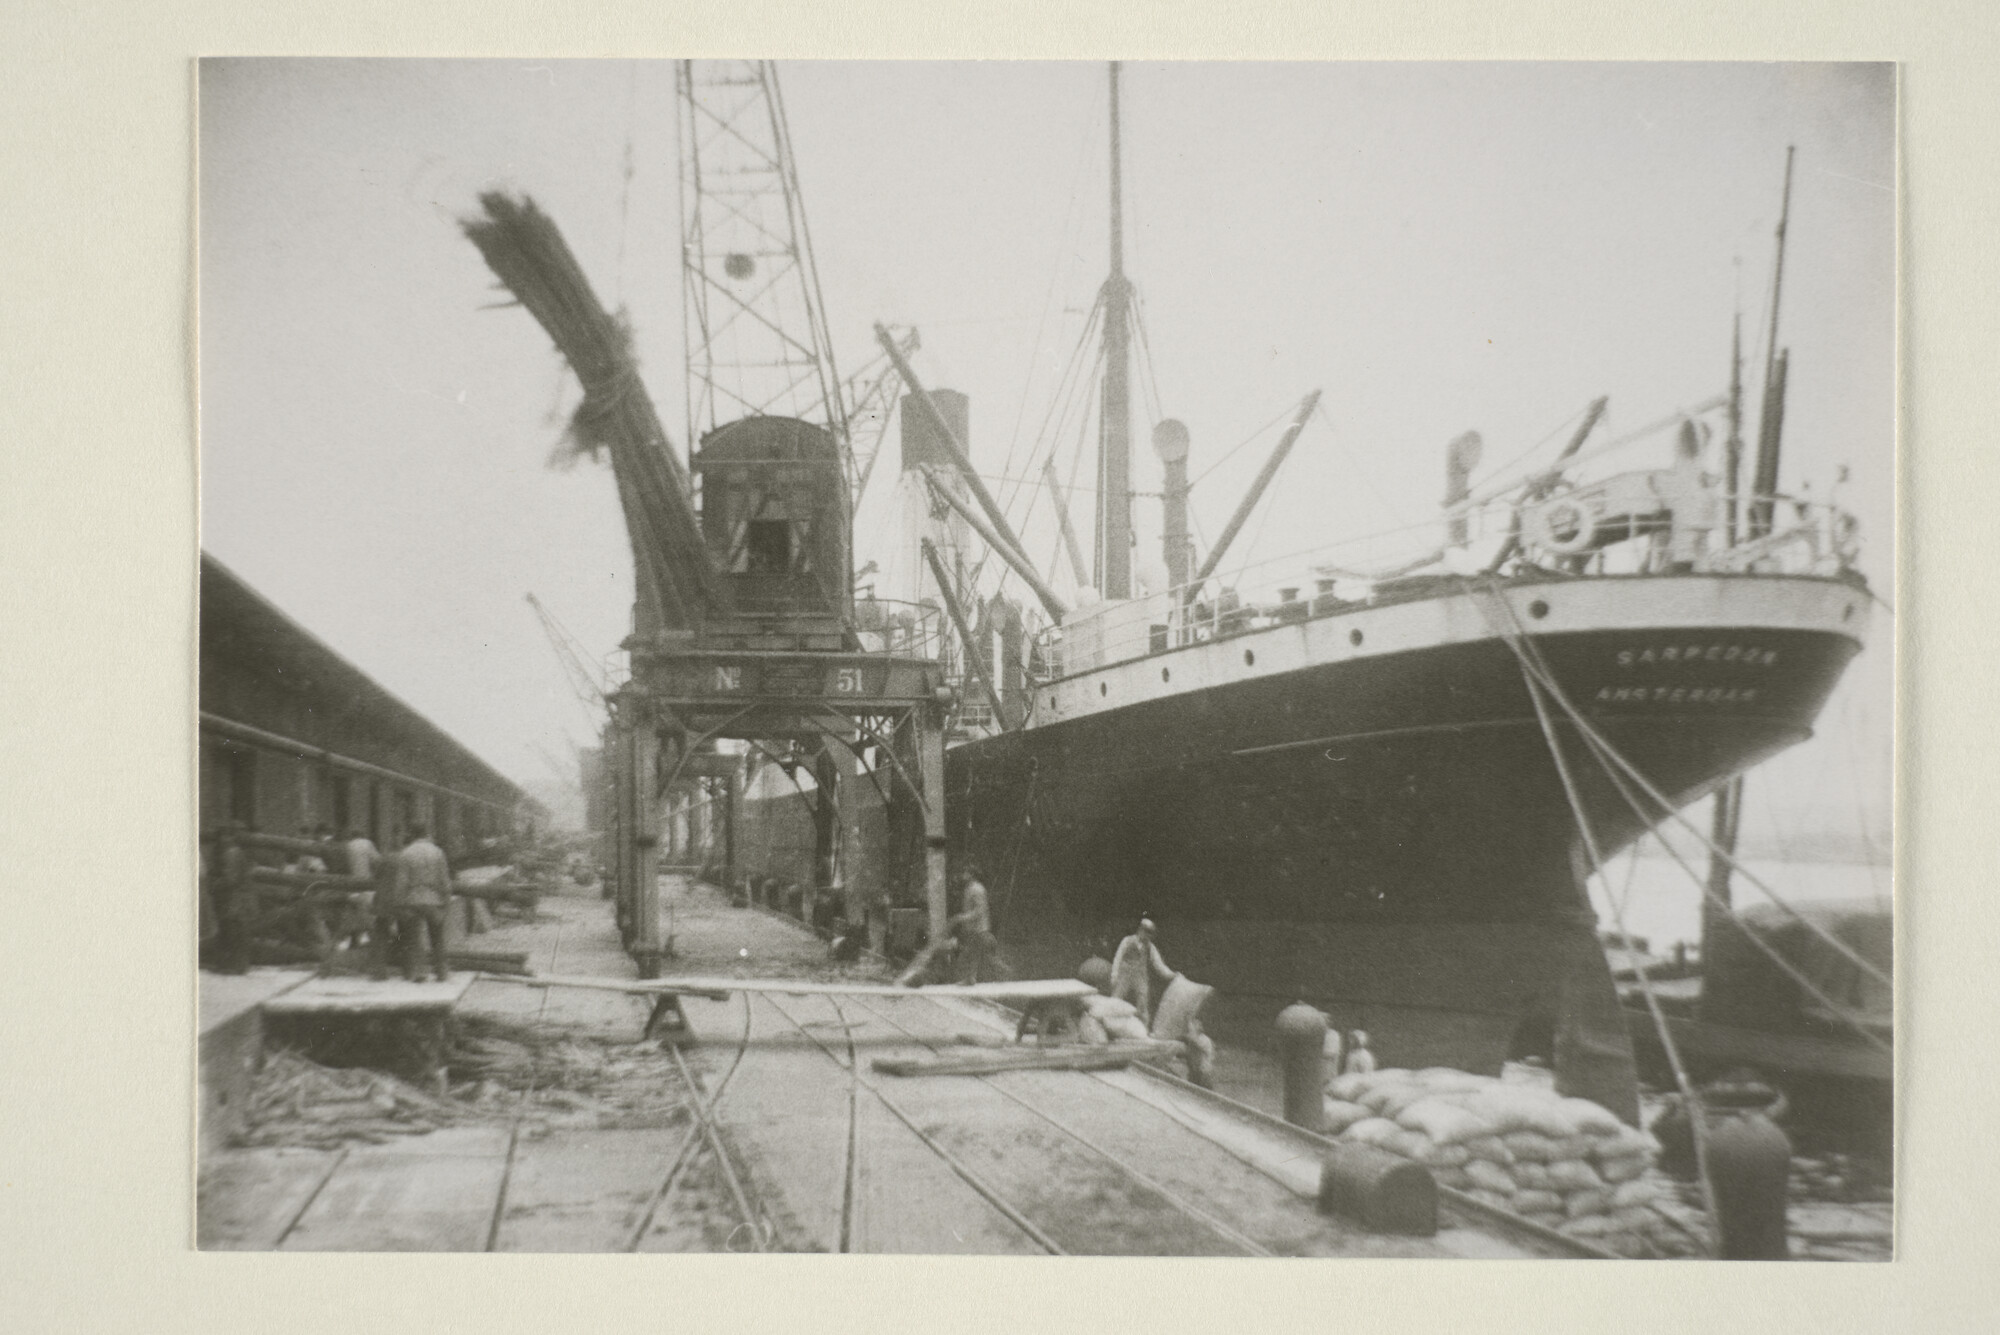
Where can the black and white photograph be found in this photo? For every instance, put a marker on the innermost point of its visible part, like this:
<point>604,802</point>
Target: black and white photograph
<point>1097,658</point>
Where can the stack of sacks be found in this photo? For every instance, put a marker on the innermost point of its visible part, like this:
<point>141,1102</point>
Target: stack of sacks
<point>1106,1018</point>
<point>1563,1162</point>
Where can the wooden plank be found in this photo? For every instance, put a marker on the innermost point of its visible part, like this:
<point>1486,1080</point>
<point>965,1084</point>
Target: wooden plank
<point>356,995</point>
<point>431,1193</point>
<point>225,996</point>
<point>583,1191</point>
<point>1079,1057</point>
<point>246,1199</point>
<point>1040,989</point>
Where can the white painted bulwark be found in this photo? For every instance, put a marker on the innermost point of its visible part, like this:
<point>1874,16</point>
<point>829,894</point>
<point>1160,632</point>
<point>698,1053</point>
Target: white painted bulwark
<point>1694,612</point>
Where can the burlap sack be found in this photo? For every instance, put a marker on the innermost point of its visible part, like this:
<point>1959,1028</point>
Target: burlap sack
<point>1591,1200</point>
<point>1538,1202</point>
<point>1350,1088</point>
<point>1545,1149</point>
<point>1531,1176</point>
<point>1638,1191</point>
<point>1491,1176</point>
<point>1440,1121</point>
<point>1455,1178</point>
<point>1109,1008</point>
<point>1492,1148</point>
<point>1446,1080</point>
<point>1340,1115</point>
<point>1622,1169</point>
<point>1448,1156</point>
<point>1179,1004</point>
<point>1573,1175</point>
<point>1638,1218</point>
<point>1592,1119</point>
<point>1372,1131</point>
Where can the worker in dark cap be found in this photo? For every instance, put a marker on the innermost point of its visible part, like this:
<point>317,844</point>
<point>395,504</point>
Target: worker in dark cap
<point>1134,968</point>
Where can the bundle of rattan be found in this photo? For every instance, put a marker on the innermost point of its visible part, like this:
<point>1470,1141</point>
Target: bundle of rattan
<point>527,252</point>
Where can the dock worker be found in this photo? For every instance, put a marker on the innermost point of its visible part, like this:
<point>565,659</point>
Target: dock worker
<point>1134,967</point>
<point>358,857</point>
<point>1359,1060</point>
<point>979,949</point>
<point>234,899</point>
<point>419,894</point>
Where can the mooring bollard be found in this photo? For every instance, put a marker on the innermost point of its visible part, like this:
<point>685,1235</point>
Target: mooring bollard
<point>1301,1046</point>
<point>1384,1191</point>
<point>1749,1170</point>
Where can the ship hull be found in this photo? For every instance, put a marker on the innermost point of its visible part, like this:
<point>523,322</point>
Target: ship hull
<point>1362,810</point>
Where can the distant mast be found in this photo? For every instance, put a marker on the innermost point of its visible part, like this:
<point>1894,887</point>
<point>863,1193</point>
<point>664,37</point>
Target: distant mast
<point>1114,454</point>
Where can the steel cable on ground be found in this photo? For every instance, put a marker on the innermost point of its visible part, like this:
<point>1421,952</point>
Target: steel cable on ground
<point>1613,757</point>
<point>681,1155</point>
<point>965,1172</point>
<point>1220,1228</point>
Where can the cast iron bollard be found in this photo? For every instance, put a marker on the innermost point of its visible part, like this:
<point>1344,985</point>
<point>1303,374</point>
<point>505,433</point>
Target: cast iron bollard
<point>1301,1044</point>
<point>1749,1169</point>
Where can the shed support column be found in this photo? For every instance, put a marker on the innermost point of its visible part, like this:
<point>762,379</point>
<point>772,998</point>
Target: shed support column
<point>930,759</point>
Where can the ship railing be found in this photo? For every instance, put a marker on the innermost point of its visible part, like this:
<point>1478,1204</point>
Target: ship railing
<point>1792,536</point>
<point>899,629</point>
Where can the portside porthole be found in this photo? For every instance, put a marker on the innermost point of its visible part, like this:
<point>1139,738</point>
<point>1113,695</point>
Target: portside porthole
<point>1165,675</point>
<point>1354,637</point>
<point>1538,609</point>
<point>1052,702</point>
<point>1249,658</point>
<point>1103,688</point>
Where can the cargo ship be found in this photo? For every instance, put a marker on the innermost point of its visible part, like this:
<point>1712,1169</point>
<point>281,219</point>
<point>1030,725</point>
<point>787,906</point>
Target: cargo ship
<point>1335,779</point>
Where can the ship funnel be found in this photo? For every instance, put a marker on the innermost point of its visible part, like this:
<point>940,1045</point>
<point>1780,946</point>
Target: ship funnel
<point>922,443</point>
<point>1170,442</point>
<point>1460,458</point>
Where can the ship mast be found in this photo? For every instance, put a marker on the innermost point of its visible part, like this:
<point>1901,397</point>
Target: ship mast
<point>1726,822</point>
<point>1114,457</point>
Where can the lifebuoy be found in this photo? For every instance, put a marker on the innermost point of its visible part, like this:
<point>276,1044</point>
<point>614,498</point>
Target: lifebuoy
<point>1566,525</point>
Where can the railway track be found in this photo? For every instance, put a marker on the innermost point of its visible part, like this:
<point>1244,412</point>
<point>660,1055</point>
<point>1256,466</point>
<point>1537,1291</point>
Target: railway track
<point>1017,1212</point>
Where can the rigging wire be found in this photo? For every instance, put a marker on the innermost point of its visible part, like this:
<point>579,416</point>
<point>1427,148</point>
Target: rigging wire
<point>1354,457</point>
<point>1280,416</point>
<point>1614,761</point>
<point>1070,224</point>
<point>1697,1122</point>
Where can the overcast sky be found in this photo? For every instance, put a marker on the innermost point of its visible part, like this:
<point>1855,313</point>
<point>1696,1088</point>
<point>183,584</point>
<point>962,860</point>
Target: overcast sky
<point>1437,246</point>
